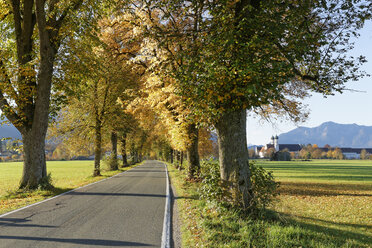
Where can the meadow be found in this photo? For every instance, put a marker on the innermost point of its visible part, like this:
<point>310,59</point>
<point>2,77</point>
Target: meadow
<point>66,175</point>
<point>332,196</point>
<point>322,203</point>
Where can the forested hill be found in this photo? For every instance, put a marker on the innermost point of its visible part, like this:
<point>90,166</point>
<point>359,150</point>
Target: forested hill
<point>9,131</point>
<point>334,134</point>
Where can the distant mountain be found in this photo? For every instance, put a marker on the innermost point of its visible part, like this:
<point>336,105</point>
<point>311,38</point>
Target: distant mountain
<point>331,133</point>
<point>9,131</point>
<point>251,146</point>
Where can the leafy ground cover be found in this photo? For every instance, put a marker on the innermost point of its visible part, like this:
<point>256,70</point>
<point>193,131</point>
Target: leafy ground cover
<point>66,175</point>
<point>322,203</point>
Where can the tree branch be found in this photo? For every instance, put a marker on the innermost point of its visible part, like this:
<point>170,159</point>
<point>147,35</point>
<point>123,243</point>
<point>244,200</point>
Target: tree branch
<point>304,77</point>
<point>5,15</point>
<point>7,80</point>
<point>18,26</point>
<point>74,6</point>
<point>9,113</point>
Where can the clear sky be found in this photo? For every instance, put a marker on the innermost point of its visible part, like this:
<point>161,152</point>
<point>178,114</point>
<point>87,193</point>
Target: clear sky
<point>346,108</point>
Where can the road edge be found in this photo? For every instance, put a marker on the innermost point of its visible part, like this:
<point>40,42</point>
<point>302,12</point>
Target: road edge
<point>165,240</point>
<point>64,193</point>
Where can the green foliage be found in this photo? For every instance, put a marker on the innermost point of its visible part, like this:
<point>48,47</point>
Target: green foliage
<point>213,189</point>
<point>46,183</point>
<point>281,156</point>
<point>264,185</point>
<point>113,163</point>
<point>110,162</point>
<point>247,65</point>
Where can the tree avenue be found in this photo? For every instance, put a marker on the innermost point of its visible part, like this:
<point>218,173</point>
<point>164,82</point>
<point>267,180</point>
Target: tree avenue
<point>168,71</point>
<point>159,88</point>
<point>98,75</point>
<point>234,56</point>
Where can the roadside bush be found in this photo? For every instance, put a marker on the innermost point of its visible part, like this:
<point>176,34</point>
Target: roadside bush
<point>213,189</point>
<point>46,183</point>
<point>211,186</point>
<point>264,185</point>
<point>110,162</point>
<point>113,163</point>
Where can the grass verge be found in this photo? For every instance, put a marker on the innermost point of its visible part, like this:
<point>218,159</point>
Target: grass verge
<point>66,175</point>
<point>207,224</point>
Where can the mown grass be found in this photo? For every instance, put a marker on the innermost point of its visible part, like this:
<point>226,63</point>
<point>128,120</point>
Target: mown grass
<point>332,195</point>
<point>66,175</point>
<point>332,207</point>
<point>337,171</point>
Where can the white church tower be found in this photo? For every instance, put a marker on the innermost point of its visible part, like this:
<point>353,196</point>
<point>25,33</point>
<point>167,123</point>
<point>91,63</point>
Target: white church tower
<point>276,142</point>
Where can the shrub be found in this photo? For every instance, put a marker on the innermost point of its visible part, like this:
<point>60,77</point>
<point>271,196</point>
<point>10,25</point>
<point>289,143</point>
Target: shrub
<point>46,183</point>
<point>264,185</point>
<point>212,189</point>
<point>111,162</point>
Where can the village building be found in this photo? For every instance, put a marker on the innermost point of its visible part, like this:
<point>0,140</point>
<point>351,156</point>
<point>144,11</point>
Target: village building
<point>260,151</point>
<point>348,152</point>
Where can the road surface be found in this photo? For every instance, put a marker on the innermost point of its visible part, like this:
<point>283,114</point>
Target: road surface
<point>124,211</point>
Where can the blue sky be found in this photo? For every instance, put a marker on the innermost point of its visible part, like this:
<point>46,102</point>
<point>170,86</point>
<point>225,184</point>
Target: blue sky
<point>346,108</point>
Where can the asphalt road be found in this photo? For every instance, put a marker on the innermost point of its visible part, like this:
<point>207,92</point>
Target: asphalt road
<point>124,211</point>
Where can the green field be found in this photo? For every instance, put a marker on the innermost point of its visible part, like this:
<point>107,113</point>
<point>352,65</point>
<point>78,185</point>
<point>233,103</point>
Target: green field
<point>66,175</point>
<point>329,171</point>
<point>322,203</point>
<point>331,196</point>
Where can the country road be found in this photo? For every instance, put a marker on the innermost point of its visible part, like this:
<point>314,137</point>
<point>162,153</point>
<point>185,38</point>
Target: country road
<point>124,211</point>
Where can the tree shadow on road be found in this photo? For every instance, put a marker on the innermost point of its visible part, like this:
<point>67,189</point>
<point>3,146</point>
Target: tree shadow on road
<point>90,242</point>
<point>116,194</point>
<point>20,222</point>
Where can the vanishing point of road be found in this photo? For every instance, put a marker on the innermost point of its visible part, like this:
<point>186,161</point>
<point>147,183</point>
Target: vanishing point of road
<point>123,211</point>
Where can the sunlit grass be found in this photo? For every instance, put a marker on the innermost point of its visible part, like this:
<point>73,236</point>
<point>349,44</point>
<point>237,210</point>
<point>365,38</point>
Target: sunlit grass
<point>322,203</point>
<point>336,171</point>
<point>66,175</point>
<point>334,195</point>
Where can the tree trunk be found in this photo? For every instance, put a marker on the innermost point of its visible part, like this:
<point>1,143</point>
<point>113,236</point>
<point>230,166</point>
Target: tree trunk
<point>233,156</point>
<point>192,151</point>
<point>180,154</point>
<point>114,155</point>
<point>177,158</point>
<point>181,158</point>
<point>123,141</point>
<point>171,155</point>
<point>34,165</point>
<point>133,153</point>
<point>97,148</point>
<point>33,109</point>
<point>135,156</point>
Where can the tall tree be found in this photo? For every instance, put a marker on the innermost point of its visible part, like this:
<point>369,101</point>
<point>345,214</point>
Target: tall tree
<point>99,77</point>
<point>32,33</point>
<point>246,53</point>
<point>164,26</point>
